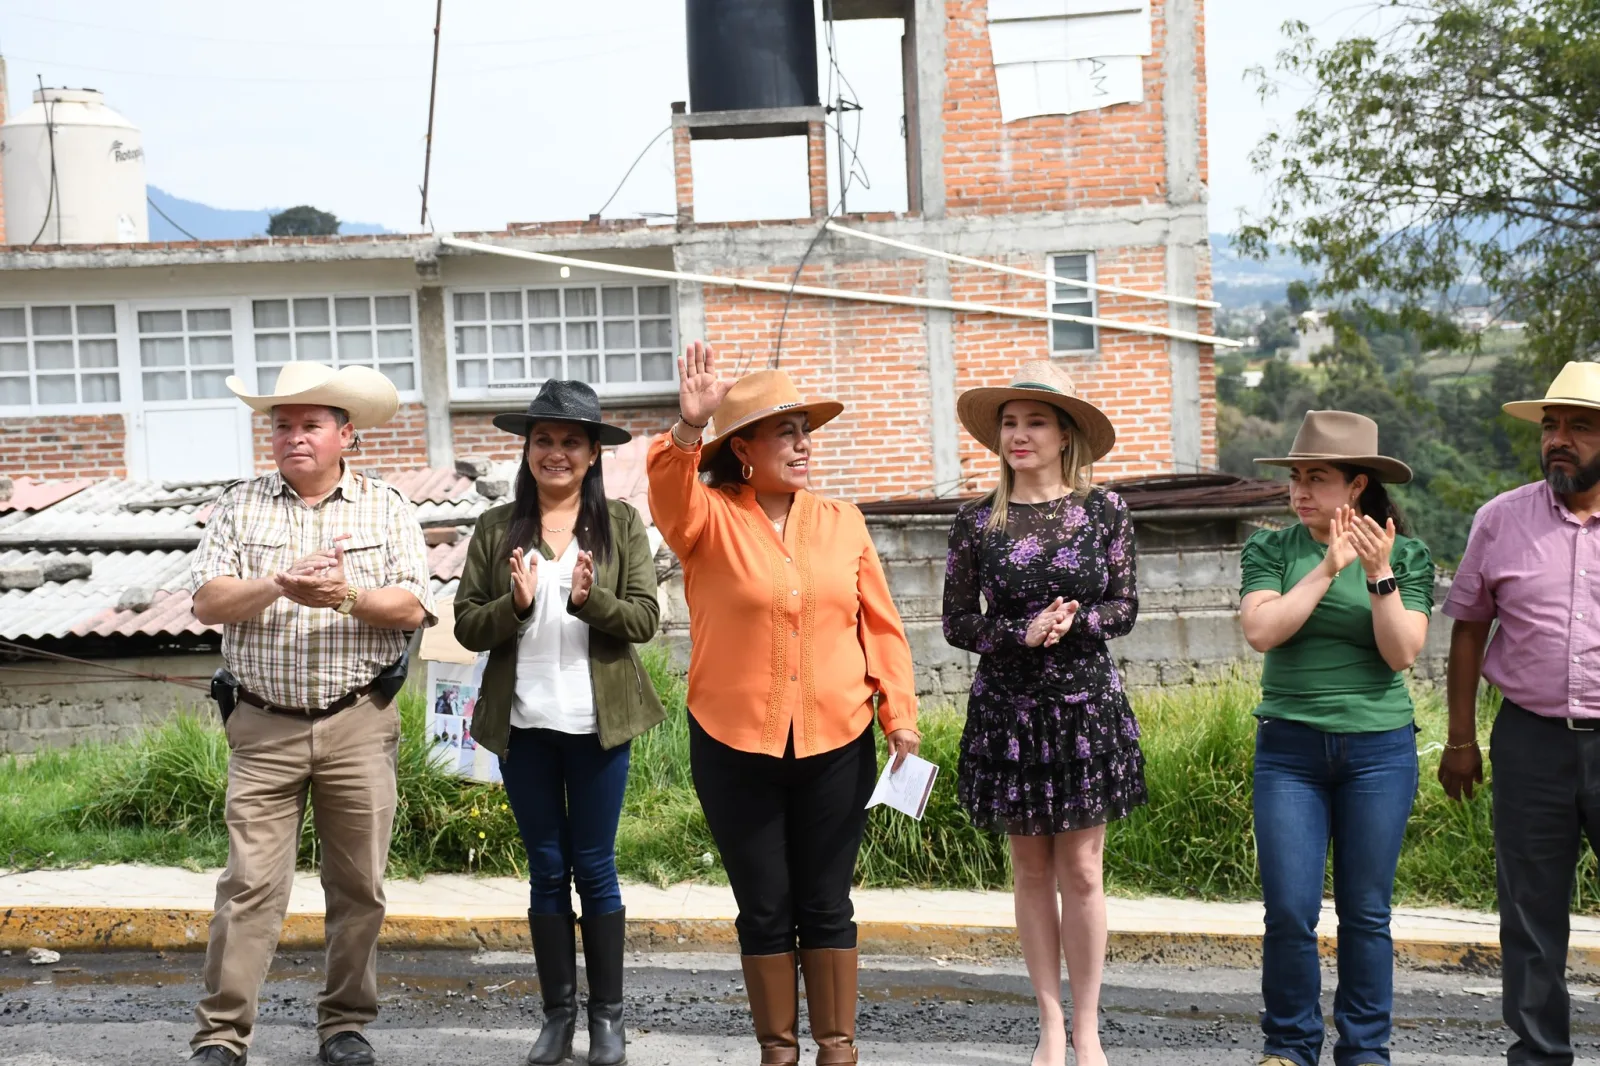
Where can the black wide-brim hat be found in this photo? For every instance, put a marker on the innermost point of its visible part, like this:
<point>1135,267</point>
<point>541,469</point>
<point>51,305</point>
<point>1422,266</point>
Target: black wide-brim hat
<point>564,401</point>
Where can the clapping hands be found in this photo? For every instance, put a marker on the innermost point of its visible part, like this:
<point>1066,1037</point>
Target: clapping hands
<point>1051,624</point>
<point>524,579</point>
<point>582,578</point>
<point>318,579</point>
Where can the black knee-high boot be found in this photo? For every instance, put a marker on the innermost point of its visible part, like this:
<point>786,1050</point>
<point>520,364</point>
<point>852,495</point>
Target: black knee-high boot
<point>555,952</point>
<point>603,938</point>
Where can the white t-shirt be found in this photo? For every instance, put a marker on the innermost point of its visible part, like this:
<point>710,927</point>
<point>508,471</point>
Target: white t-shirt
<point>554,690</point>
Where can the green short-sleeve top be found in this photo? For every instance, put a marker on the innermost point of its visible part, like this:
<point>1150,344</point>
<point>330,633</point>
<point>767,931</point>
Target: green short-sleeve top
<point>1330,675</point>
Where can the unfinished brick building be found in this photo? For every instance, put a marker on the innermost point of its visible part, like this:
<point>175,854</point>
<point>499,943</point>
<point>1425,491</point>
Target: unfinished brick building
<point>112,356</point>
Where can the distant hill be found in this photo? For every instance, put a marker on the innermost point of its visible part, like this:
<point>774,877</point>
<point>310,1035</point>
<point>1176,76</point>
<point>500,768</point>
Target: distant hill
<point>1238,282</point>
<point>219,224</point>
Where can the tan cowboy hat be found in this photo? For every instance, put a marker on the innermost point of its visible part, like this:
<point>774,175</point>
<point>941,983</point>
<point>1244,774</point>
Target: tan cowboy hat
<point>1342,437</point>
<point>1043,382</point>
<point>754,397</point>
<point>361,392</point>
<point>1578,385</point>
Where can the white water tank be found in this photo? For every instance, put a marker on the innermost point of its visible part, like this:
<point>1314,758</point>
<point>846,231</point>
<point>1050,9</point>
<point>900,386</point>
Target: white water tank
<point>96,192</point>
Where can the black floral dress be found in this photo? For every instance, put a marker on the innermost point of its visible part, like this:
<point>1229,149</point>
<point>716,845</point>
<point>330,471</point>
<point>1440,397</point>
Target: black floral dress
<point>1051,744</point>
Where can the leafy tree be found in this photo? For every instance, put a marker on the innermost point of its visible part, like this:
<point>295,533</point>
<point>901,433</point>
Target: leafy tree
<point>302,221</point>
<point>1457,150</point>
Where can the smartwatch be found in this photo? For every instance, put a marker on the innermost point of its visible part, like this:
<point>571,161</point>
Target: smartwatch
<point>348,604</point>
<point>1383,586</point>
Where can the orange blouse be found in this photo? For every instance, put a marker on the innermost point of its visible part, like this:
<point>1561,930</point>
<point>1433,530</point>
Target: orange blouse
<point>797,632</point>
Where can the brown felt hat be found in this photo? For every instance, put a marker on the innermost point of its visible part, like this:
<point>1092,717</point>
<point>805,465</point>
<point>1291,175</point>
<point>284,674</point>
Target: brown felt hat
<point>756,396</point>
<point>1342,437</point>
<point>1043,382</point>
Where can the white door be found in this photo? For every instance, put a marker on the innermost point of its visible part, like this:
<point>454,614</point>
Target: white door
<point>187,426</point>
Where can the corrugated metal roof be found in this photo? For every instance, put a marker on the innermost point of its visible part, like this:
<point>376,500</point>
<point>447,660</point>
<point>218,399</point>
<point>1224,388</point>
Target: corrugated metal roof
<point>57,609</point>
<point>30,495</point>
<point>101,510</point>
<point>446,561</point>
<point>431,484</point>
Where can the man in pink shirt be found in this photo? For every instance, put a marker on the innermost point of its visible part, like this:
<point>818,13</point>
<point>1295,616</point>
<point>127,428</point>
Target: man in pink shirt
<point>1532,565</point>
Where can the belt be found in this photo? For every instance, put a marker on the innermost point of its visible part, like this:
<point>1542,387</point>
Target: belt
<point>349,699</point>
<point>1588,725</point>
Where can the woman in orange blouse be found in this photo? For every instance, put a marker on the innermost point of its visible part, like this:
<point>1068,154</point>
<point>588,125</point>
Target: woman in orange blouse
<point>794,638</point>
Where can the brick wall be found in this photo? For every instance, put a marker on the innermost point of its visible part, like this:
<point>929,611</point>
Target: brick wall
<point>60,446</point>
<point>474,434</point>
<point>1112,157</point>
<point>402,444</point>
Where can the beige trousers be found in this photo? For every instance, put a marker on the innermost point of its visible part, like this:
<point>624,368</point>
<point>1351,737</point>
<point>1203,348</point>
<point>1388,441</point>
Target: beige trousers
<point>346,764</point>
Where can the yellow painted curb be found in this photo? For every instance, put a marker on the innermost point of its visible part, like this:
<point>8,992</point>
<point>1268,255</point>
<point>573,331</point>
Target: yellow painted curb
<point>132,929</point>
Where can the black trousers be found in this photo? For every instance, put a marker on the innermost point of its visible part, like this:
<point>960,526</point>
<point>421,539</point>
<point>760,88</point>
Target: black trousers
<point>1546,799</point>
<point>789,831</point>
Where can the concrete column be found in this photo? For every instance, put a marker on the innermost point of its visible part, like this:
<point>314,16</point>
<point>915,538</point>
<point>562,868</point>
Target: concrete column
<point>1181,108</point>
<point>435,359</point>
<point>925,132</point>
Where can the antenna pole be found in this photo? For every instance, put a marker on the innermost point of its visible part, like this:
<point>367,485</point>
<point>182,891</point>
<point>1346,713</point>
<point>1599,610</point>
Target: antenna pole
<point>433,92</point>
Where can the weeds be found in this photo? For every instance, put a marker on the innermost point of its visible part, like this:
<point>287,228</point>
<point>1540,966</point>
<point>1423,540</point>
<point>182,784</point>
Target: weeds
<point>159,800</point>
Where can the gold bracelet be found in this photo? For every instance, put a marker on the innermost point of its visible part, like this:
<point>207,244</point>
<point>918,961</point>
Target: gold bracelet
<point>1461,747</point>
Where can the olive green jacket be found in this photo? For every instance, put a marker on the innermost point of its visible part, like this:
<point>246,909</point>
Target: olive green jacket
<point>621,611</point>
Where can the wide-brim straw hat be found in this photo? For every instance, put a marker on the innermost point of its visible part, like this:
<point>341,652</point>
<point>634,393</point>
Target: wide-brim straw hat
<point>1043,382</point>
<point>365,395</point>
<point>1342,437</point>
<point>564,401</point>
<point>754,397</point>
<point>1578,385</point>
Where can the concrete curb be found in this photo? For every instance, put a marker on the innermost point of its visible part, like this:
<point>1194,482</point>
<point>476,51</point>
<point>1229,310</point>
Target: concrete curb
<point>154,929</point>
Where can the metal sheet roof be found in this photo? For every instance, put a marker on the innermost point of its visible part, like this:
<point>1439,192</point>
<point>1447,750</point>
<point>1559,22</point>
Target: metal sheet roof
<point>59,608</point>
<point>30,495</point>
<point>102,510</point>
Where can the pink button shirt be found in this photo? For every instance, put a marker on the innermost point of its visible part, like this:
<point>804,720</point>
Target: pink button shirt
<point>1533,566</point>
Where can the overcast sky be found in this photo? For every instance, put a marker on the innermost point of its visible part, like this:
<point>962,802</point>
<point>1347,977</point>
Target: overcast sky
<point>542,105</point>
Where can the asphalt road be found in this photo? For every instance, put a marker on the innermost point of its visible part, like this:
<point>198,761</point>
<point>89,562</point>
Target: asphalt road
<point>687,1009</point>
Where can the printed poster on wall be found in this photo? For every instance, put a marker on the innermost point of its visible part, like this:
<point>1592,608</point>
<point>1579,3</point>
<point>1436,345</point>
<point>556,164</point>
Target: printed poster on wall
<point>452,696</point>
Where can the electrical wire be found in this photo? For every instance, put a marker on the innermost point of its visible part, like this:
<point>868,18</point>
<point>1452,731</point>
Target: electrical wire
<point>637,160</point>
<point>847,176</point>
<point>169,218</point>
<point>55,180</point>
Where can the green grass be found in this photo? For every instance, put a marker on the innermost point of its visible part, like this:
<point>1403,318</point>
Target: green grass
<point>159,800</point>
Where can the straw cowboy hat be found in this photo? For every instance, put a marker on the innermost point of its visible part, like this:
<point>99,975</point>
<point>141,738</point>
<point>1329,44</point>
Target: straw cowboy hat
<point>359,391</point>
<point>1043,382</point>
<point>1578,385</point>
<point>754,397</point>
<point>1342,437</point>
<point>564,401</point>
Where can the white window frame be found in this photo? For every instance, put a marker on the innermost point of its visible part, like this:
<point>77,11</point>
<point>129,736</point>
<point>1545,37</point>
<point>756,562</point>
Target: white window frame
<point>525,389</point>
<point>183,308</point>
<point>251,330</point>
<point>118,370</point>
<point>1057,294</point>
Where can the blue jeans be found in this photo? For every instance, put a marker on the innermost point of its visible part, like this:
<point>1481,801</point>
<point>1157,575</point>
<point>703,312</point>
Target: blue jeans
<point>566,794</point>
<point>1355,789</point>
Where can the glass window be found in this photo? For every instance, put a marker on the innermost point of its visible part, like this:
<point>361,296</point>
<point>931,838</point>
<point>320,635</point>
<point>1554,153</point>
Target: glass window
<point>186,355</point>
<point>610,334</point>
<point>1068,337</point>
<point>372,331</point>
<point>58,354</point>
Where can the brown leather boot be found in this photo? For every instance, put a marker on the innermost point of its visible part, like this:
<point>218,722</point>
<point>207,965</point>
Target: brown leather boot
<point>772,984</point>
<point>831,997</point>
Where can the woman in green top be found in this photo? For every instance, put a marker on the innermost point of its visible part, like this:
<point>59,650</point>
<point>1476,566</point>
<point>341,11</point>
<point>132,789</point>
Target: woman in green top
<point>1336,754</point>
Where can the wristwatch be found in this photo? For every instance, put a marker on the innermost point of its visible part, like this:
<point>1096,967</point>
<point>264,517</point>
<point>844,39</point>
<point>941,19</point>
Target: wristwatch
<point>348,604</point>
<point>1383,586</point>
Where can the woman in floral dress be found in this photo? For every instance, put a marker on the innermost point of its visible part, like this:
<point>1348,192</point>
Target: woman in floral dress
<point>1041,573</point>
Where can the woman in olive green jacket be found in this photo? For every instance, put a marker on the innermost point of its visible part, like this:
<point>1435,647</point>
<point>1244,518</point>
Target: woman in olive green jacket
<point>559,586</point>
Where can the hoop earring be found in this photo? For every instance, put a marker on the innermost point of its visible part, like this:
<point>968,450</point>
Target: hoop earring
<point>747,471</point>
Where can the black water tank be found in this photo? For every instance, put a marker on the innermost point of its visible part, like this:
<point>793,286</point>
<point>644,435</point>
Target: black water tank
<point>748,54</point>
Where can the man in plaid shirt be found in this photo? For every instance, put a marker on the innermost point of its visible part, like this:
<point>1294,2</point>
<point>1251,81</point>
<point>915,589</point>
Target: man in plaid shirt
<point>316,574</point>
